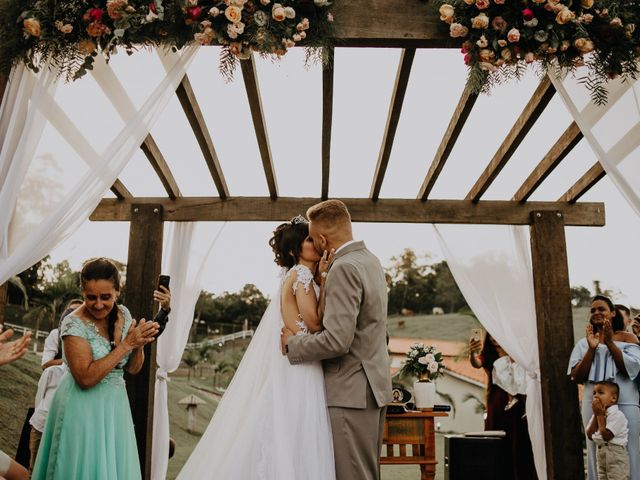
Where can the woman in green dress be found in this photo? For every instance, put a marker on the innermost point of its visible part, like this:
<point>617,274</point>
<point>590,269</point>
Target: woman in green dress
<point>89,432</point>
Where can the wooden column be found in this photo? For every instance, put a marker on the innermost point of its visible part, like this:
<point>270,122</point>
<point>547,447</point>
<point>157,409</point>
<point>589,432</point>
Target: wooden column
<point>560,408</point>
<point>143,268</point>
<point>3,301</point>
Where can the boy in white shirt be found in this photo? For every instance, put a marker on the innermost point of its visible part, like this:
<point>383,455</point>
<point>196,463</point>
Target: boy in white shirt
<point>608,428</point>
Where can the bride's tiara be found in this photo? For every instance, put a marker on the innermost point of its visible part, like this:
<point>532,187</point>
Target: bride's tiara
<point>298,219</point>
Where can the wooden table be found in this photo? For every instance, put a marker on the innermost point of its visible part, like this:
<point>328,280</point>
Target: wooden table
<point>409,438</point>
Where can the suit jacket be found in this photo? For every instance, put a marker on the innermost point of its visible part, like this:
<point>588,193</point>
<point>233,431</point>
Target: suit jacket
<point>353,343</point>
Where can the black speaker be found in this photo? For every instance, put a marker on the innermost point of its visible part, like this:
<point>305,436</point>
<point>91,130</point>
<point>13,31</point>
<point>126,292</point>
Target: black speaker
<point>477,458</point>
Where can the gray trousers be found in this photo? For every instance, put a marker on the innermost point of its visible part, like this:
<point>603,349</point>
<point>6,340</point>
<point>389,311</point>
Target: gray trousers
<point>357,440</point>
<point>613,462</point>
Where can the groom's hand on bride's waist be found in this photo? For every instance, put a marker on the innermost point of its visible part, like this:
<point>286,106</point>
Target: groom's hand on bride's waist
<point>285,333</point>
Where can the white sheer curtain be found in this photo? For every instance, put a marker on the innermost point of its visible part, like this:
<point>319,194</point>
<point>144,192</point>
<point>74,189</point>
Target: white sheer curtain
<point>67,199</point>
<point>612,130</point>
<point>188,248</point>
<point>492,266</point>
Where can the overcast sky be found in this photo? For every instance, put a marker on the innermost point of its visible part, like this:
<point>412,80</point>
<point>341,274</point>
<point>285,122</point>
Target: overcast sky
<point>363,83</point>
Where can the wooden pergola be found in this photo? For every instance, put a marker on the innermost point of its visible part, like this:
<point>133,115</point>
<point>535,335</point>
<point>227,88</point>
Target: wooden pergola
<point>407,25</point>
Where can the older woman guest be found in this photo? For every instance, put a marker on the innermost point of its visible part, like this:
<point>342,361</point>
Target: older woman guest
<point>89,431</point>
<point>605,355</point>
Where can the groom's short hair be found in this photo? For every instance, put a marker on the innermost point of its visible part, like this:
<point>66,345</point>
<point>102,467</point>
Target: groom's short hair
<point>329,212</point>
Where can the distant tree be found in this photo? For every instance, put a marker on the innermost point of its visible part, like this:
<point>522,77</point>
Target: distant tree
<point>580,296</point>
<point>410,286</point>
<point>191,358</point>
<point>446,291</point>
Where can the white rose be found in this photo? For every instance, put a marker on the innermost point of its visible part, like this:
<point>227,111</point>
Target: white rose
<point>290,12</point>
<point>433,367</point>
<point>423,361</point>
<point>430,358</point>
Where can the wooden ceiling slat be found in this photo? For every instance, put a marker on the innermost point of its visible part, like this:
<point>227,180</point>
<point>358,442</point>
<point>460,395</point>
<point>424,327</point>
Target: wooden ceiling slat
<point>255,104</point>
<point>159,164</point>
<point>395,109</point>
<point>569,139</point>
<point>189,103</point>
<point>534,108</point>
<point>362,210</point>
<point>327,121</point>
<point>582,186</point>
<point>120,191</point>
<point>460,115</point>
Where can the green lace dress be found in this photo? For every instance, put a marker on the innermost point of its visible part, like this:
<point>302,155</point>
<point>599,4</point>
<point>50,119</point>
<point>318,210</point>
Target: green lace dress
<point>89,433</point>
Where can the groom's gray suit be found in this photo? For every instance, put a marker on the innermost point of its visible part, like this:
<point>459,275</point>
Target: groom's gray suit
<point>353,348</point>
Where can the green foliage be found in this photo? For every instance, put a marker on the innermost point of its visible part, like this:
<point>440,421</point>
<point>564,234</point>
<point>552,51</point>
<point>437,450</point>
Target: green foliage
<point>580,296</point>
<point>418,286</point>
<point>69,34</point>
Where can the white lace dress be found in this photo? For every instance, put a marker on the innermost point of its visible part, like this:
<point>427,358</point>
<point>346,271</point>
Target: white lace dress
<point>272,423</point>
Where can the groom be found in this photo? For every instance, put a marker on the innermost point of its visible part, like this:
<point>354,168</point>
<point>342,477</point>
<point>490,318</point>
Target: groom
<point>352,344</point>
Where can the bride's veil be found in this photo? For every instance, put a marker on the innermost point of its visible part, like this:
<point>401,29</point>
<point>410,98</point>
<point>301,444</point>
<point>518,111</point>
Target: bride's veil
<point>247,437</point>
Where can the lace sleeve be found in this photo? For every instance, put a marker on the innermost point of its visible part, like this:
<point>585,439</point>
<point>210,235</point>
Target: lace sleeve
<point>72,326</point>
<point>304,277</point>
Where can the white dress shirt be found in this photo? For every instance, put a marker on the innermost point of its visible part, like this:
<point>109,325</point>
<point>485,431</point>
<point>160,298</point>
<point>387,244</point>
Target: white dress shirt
<point>616,424</point>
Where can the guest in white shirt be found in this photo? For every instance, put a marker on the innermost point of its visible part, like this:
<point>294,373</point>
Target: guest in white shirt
<point>52,353</point>
<point>608,428</point>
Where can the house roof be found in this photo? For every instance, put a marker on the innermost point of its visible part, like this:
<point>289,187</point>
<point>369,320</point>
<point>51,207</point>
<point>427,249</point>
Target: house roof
<point>450,351</point>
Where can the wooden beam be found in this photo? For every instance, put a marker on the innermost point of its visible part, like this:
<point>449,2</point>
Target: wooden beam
<point>395,109</point>
<point>569,139</point>
<point>120,191</point>
<point>327,121</point>
<point>389,23</point>
<point>541,97</point>
<point>584,184</point>
<point>143,267</point>
<point>188,209</point>
<point>159,164</point>
<point>459,118</point>
<point>255,104</point>
<point>4,289</point>
<point>192,110</point>
<point>560,406</point>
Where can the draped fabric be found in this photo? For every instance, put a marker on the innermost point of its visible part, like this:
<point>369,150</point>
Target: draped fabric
<point>492,266</point>
<point>46,198</point>
<point>185,258</point>
<point>612,130</point>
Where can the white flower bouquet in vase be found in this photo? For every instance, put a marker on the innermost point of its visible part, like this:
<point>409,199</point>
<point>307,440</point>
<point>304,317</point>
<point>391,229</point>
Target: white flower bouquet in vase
<point>427,364</point>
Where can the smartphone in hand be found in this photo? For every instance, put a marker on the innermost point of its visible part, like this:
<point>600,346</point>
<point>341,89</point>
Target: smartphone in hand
<point>163,280</point>
<point>476,334</point>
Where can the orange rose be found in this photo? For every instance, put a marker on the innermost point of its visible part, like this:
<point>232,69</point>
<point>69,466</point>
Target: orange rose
<point>31,26</point>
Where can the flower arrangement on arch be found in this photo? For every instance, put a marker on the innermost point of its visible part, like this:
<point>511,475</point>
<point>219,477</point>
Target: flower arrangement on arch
<point>424,362</point>
<point>500,37</point>
<point>70,33</point>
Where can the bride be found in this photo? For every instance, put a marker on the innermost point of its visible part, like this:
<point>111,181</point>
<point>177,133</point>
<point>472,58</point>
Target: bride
<point>272,423</point>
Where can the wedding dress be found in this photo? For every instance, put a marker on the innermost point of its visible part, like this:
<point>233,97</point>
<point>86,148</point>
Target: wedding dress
<point>272,422</point>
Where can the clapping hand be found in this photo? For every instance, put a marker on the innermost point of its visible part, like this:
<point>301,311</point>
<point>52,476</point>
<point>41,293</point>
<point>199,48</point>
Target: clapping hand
<point>140,333</point>
<point>10,351</point>
<point>593,338</point>
<point>607,331</point>
<point>598,407</point>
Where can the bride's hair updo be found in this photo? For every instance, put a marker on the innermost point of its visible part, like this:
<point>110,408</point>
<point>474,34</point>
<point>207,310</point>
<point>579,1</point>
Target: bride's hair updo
<point>287,239</point>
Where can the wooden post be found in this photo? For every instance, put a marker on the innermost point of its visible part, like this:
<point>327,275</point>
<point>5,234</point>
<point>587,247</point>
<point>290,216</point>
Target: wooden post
<point>560,407</point>
<point>3,301</point>
<point>143,268</point>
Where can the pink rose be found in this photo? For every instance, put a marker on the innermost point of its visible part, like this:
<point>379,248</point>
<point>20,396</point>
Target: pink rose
<point>31,27</point>
<point>482,4</point>
<point>458,30</point>
<point>480,21</point>
<point>513,35</point>
<point>233,13</point>
<point>499,23</point>
<point>467,59</point>
<point>499,2</point>
<point>527,14</point>
<point>193,13</point>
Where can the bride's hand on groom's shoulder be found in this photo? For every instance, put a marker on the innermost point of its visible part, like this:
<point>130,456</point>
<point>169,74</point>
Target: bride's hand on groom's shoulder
<point>285,333</point>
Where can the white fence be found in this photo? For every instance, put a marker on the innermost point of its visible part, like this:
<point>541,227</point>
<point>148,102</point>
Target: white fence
<point>21,329</point>
<point>222,340</point>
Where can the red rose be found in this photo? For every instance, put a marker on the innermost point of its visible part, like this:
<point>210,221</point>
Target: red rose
<point>467,59</point>
<point>193,13</point>
<point>152,7</point>
<point>527,14</point>
<point>95,14</point>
